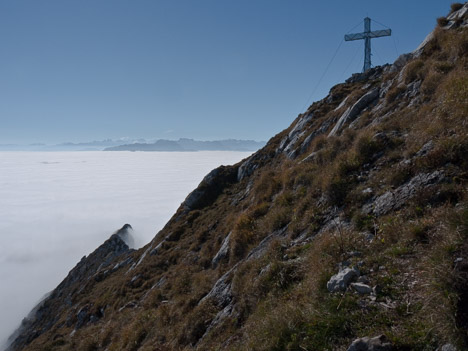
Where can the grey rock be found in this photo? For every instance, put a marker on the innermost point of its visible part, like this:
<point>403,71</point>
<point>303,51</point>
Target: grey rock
<point>362,288</point>
<point>262,247</point>
<point>393,200</point>
<point>400,62</point>
<point>378,343</point>
<point>426,148</point>
<point>221,292</point>
<point>363,279</point>
<point>309,158</point>
<point>341,280</point>
<point>288,143</point>
<point>223,251</point>
<point>448,347</point>
<point>352,112</point>
<point>211,187</point>
<point>367,191</point>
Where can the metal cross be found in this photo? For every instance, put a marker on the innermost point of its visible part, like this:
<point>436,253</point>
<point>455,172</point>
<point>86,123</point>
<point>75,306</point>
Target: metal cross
<point>367,35</point>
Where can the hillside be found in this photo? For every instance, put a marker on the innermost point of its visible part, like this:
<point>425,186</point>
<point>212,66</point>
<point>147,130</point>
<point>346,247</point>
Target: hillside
<point>351,223</point>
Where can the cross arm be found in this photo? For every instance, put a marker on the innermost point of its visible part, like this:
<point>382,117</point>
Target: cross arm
<point>380,33</point>
<point>374,34</point>
<point>356,36</point>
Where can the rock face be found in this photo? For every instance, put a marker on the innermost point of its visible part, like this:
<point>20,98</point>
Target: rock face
<point>341,280</point>
<point>393,200</point>
<point>223,251</point>
<point>95,267</point>
<point>378,343</point>
<point>352,112</point>
<point>211,187</point>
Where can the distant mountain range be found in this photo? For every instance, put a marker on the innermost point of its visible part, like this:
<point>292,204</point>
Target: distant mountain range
<point>183,144</point>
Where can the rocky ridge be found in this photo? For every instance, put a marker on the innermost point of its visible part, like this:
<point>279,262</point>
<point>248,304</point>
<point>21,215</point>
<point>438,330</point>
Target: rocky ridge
<point>349,224</point>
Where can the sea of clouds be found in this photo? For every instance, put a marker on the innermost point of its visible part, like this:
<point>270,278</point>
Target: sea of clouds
<point>56,207</point>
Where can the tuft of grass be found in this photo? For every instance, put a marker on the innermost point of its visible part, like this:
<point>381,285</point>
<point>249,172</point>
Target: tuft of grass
<point>442,21</point>
<point>414,71</point>
<point>394,92</point>
<point>455,6</point>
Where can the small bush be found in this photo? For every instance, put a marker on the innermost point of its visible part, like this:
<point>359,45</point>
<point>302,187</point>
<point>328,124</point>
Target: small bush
<point>442,21</point>
<point>279,218</point>
<point>443,67</point>
<point>243,235</point>
<point>431,83</point>
<point>419,233</point>
<point>400,175</point>
<point>395,92</point>
<point>366,147</point>
<point>260,210</point>
<point>337,191</point>
<point>414,70</point>
<point>456,6</point>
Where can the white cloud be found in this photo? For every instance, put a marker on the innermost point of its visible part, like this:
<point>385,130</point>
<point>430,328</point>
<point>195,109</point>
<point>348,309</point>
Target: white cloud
<point>57,207</point>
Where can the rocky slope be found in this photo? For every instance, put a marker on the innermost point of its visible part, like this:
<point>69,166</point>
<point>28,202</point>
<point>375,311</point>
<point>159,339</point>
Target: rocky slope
<point>348,230</point>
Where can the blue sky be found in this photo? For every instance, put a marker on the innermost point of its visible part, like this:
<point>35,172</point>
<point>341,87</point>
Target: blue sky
<point>205,69</point>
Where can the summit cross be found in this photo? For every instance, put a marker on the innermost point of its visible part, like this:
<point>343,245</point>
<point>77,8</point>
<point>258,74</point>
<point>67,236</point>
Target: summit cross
<point>367,35</point>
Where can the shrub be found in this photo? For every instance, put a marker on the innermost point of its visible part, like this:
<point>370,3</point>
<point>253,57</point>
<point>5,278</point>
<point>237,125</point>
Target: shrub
<point>243,235</point>
<point>279,218</point>
<point>444,67</point>
<point>431,83</point>
<point>260,210</point>
<point>395,92</point>
<point>456,6</point>
<point>414,70</point>
<point>400,175</point>
<point>442,21</point>
<point>337,191</point>
<point>366,147</point>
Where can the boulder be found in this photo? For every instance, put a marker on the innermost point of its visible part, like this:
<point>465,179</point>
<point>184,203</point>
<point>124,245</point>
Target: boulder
<point>362,288</point>
<point>378,343</point>
<point>211,187</point>
<point>352,112</point>
<point>448,347</point>
<point>341,280</point>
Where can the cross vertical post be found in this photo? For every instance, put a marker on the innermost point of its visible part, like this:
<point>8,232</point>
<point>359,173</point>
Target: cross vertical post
<point>367,35</point>
<point>367,46</point>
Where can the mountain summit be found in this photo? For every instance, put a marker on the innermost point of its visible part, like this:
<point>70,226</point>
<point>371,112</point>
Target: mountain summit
<point>347,231</point>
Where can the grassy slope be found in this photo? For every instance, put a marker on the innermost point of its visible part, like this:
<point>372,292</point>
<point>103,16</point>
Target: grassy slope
<point>279,299</point>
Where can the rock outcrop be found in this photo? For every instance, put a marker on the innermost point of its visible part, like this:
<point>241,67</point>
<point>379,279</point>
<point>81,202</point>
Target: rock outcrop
<point>341,280</point>
<point>94,267</point>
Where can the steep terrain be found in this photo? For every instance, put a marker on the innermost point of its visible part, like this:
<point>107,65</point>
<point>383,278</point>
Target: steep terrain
<point>352,223</point>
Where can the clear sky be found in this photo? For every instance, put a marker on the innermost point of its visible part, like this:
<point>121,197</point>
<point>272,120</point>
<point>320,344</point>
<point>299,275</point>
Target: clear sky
<point>206,69</point>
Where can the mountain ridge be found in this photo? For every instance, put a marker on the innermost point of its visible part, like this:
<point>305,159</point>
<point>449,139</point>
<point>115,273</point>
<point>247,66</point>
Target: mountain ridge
<point>348,230</point>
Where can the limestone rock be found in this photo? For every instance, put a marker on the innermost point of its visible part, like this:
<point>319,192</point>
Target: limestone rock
<point>393,200</point>
<point>448,347</point>
<point>378,343</point>
<point>223,251</point>
<point>362,288</point>
<point>341,280</point>
<point>352,112</point>
<point>211,187</point>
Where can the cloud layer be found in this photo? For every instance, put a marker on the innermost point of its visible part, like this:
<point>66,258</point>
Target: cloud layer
<point>57,207</point>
